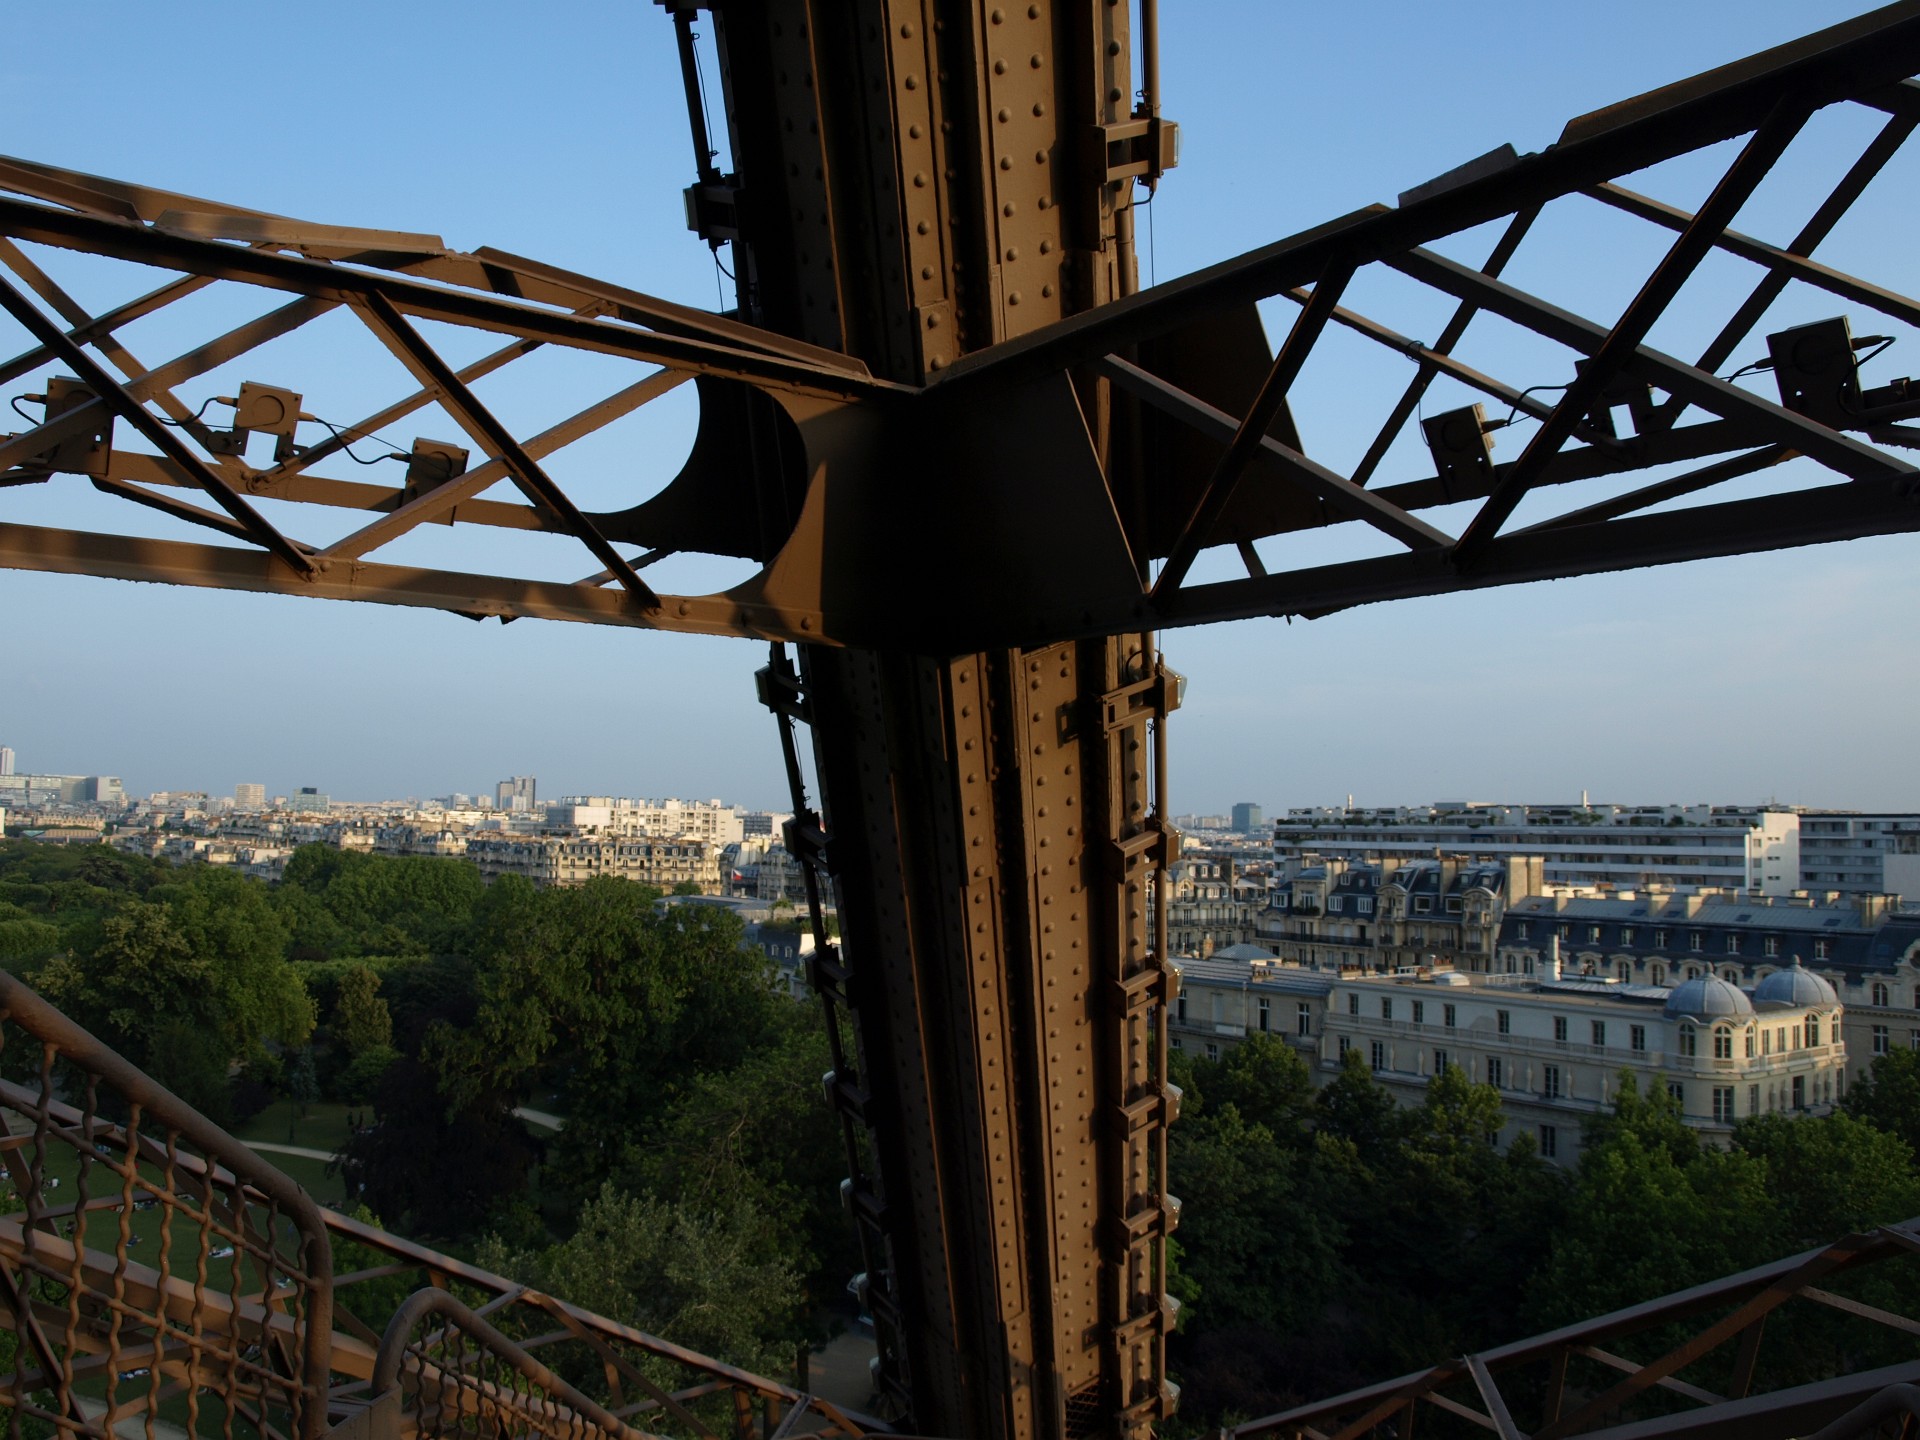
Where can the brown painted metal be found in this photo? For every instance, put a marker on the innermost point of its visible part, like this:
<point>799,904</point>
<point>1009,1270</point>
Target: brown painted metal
<point>955,441</point>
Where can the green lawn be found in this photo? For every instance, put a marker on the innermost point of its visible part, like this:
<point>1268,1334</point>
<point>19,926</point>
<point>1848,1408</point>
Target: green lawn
<point>324,1126</point>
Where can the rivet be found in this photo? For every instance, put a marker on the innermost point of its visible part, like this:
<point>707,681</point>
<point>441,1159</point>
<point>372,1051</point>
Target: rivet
<point>1006,162</point>
<point>906,32</point>
<point>1034,61</point>
<point>1045,203</point>
<point>913,82</point>
<point>1013,252</point>
<point>913,132</point>
<point>1039,108</point>
<point>998,16</point>
<point>1113,47</point>
<point>922,228</point>
<point>1005,114</point>
<point>1007,209</point>
<point>933,322</point>
<point>937,363</point>
<point>1033,12</point>
<point>1114,96</point>
<point>1014,298</point>
<point>806,622</point>
<point>1047,291</point>
<point>920,180</point>
<point>926,272</point>
<point>1039,157</point>
<point>999,67</point>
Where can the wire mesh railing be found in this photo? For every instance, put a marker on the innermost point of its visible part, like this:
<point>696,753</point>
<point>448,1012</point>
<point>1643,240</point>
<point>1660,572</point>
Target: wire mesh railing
<point>156,1278</point>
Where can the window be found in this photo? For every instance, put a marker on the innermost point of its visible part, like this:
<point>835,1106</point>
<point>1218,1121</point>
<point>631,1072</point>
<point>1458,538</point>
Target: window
<point>1353,1003</point>
<point>1264,1021</point>
<point>1334,904</point>
<point>1626,934</point>
<point>1771,945</point>
<point>1520,930</point>
<point>1593,934</point>
<point>1733,944</point>
<point>1730,975</point>
<point>1303,1020</point>
<point>1599,1032</point>
<point>1362,905</point>
<point>1797,1041</point>
<point>1723,1104</point>
<point>1637,1039</point>
<point>1799,1092</point>
<point>1722,1043</point>
<point>1448,1015</point>
<point>1345,1045</point>
<point>1550,1081</point>
<point>1439,1062</point>
<point>1560,1028</point>
<point>1813,1031</point>
<point>1678,1092</point>
<point>1749,1042</point>
<point>1689,1041</point>
<point>1821,949</point>
<point>1696,940</point>
<point>1454,906</point>
<point>1766,1042</point>
<point>1174,1043</point>
<point>1213,1052</point>
<point>1503,1022</point>
<point>1879,1039</point>
<point>1377,1055</point>
<point>1879,993</point>
<point>1496,1072</point>
<point>1386,1007</point>
<point>1419,1012</point>
<point>1423,904</point>
<point>1659,939</point>
<point>1623,969</point>
<point>1549,1142</point>
<point>1180,1009</point>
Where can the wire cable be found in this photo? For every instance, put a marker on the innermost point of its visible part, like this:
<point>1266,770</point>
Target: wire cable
<point>340,432</point>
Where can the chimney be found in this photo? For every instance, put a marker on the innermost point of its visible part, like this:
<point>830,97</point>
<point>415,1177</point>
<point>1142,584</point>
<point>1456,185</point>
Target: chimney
<point>1553,956</point>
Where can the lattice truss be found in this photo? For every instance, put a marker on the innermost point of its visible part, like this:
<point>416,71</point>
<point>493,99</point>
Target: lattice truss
<point>1150,463</point>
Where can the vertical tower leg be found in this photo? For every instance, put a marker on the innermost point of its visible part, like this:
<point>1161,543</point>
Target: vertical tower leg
<point>993,834</point>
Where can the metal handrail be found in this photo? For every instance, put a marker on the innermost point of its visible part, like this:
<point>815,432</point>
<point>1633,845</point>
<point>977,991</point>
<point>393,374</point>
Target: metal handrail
<point>560,1415</point>
<point>270,1349</point>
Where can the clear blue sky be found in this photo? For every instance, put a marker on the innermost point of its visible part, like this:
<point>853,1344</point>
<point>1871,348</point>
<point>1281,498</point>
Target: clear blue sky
<point>1788,675</point>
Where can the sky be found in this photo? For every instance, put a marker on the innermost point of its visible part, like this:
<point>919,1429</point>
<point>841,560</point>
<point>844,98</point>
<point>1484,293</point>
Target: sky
<point>1785,676</point>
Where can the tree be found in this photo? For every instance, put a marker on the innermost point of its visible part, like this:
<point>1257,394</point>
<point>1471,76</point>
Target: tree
<point>1830,1176</point>
<point>687,887</point>
<point>703,1273</point>
<point>360,1018</point>
<point>1887,1097</point>
<point>1265,1079</point>
<point>1357,1108</point>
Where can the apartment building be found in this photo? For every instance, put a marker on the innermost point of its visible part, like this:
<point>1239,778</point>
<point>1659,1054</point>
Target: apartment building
<point>1718,847</point>
<point>1338,914</point>
<point>575,859</point>
<point>1212,902</point>
<point>1238,992</point>
<point>1555,1047</point>
<point>1840,850</point>
<point>711,821</point>
<point>1860,945</point>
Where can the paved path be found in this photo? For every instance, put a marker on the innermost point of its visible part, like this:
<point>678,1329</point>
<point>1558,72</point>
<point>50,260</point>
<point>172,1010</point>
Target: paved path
<point>274,1149</point>
<point>541,1118</point>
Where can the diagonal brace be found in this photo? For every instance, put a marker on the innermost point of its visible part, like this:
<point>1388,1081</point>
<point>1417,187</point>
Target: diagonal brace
<point>142,419</point>
<point>1752,165</point>
<point>1338,493</point>
<point>1220,485</point>
<point>427,365</point>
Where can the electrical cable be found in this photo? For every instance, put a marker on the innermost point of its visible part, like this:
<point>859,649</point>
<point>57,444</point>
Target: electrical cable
<point>15,402</point>
<point>198,415</point>
<point>340,432</point>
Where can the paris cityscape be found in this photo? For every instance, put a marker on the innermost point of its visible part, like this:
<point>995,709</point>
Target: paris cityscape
<point>1555,1012</point>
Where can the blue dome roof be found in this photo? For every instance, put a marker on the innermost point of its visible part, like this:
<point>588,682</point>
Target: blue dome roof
<point>1708,997</point>
<point>1795,986</point>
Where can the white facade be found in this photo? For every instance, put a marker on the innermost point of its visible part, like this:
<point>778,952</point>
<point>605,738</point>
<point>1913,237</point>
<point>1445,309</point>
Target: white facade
<point>1715,847</point>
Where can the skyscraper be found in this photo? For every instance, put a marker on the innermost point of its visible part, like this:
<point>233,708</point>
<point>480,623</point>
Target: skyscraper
<point>6,760</point>
<point>249,797</point>
<point>515,794</point>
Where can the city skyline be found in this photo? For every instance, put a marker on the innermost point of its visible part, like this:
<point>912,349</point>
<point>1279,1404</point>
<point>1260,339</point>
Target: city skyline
<point>1780,676</point>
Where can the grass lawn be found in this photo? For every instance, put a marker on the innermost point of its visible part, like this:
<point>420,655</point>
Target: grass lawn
<point>324,1126</point>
